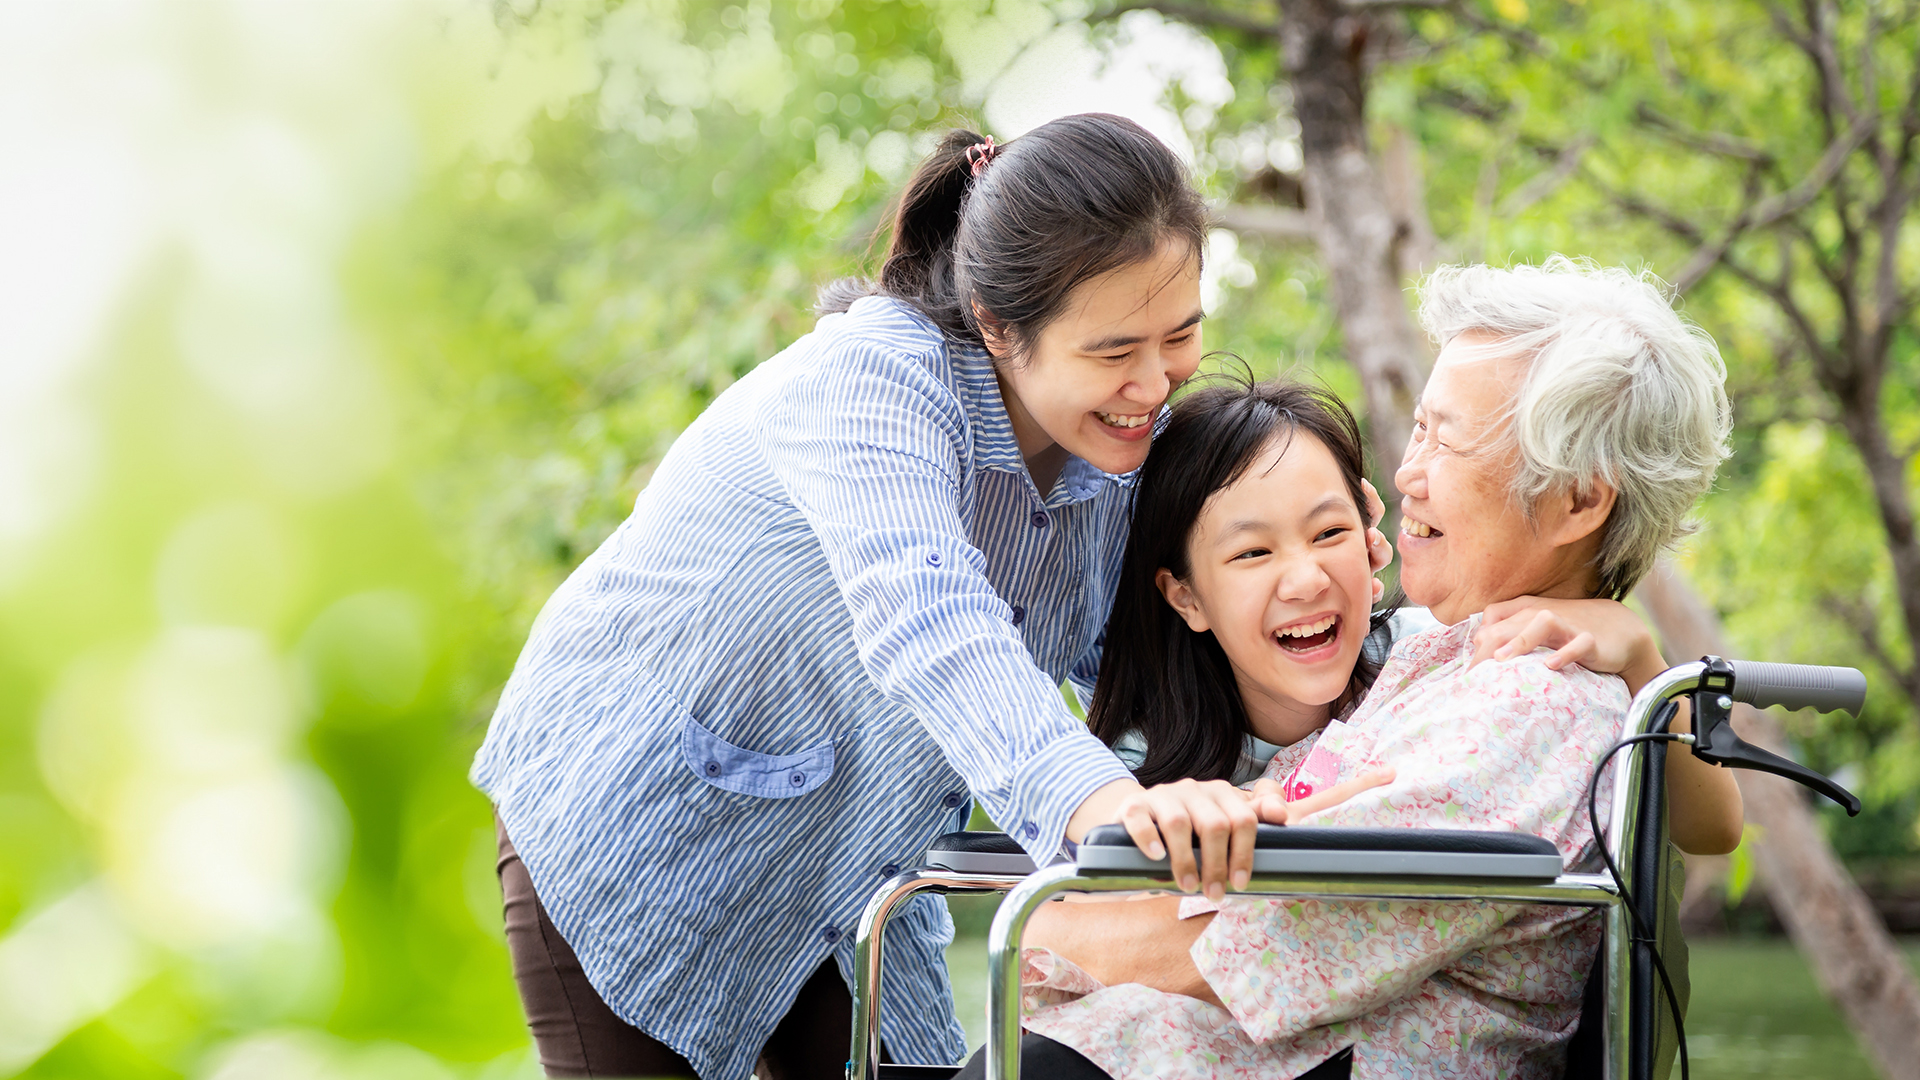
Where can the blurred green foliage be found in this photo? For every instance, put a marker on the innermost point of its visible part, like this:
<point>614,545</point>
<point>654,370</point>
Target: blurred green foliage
<point>365,406</point>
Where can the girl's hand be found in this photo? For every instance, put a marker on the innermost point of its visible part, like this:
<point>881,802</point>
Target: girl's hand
<point>1599,635</point>
<point>1270,801</point>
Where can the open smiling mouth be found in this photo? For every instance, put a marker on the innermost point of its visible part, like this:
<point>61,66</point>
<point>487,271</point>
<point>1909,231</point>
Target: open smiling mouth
<point>1122,421</point>
<point>1418,528</point>
<point>1306,637</point>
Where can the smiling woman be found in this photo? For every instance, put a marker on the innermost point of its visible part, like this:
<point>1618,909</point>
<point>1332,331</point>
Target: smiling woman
<point>848,596</point>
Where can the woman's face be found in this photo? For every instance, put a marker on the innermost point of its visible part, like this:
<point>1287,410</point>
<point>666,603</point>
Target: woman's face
<point>1464,542</point>
<point>1094,379</point>
<point>1278,572</point>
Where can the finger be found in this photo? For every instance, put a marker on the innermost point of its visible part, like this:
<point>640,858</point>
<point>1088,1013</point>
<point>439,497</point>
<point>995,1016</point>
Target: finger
<point>1379,552</point>
<point>1341,792</point>
<point>1580,649</point>
<point>1246,829</point>
<point>1532,631</point>
<point>1137,816</point>
<point>1215,832</point>
<point>1176,826</point>
<point>1488,639</point>
<point>1269,801</point>
<point>1379,589</point>
<point>1375,508</point>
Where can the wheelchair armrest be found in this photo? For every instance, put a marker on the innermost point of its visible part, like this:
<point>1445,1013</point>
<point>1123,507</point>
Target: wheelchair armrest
<point>1319,851</point>
<point>979,853</point>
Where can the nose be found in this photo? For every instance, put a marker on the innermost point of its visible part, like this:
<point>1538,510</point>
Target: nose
<point>1303,579</point>
<point>1152,380</point>
<point>1411,476</point>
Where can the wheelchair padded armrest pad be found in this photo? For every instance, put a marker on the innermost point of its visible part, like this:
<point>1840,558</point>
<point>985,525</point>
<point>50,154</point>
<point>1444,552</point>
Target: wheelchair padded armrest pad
<point>983,843</point>
<point>1325,838</point>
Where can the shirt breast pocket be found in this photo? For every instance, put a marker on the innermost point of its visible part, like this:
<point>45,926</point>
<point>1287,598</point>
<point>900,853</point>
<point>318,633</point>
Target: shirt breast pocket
<point>723,765</point>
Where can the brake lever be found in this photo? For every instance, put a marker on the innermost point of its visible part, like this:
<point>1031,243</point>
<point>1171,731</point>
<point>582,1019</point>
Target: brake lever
<point>1714,740</point>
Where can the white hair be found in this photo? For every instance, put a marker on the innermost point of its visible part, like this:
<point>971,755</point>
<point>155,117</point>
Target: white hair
<point>1619,388</point>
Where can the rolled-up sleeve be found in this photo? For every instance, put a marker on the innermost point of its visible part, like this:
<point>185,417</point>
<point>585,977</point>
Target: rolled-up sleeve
<point>871,447</point>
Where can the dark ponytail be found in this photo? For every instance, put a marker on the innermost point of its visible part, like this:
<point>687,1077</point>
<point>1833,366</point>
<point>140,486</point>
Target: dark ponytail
<point>1172,686</point>
<point>1068,201</point>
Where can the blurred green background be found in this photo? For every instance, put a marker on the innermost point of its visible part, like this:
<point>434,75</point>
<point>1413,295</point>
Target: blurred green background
<point>335,334</point>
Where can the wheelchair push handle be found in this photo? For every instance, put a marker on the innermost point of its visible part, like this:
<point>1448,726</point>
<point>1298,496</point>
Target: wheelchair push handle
<point>1798,686</point>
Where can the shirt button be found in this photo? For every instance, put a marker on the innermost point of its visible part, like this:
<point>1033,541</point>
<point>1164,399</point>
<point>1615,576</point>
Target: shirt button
<point>933,559</point>
<point>1030,830</point>
<point>890,869</point>
<point>831,933</point>
<point>952,801</point>
<point>713,768</point>
<point>798,779</point>
<point>1041,520</point>
<point>1019,614</point>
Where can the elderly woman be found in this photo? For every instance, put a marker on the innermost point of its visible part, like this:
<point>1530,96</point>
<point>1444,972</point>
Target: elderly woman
<point>1571,421</point>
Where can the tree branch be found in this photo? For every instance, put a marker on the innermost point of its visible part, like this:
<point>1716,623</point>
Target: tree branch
<point>1768,212</point>
<point>1855,617</point>
<point>1275,223</point>
<point>1712,142</point>
<point>1196,14</point>
<point>1566,163</point>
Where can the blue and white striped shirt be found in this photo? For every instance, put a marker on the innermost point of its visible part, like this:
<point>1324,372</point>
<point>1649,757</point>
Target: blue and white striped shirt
<point>839,604</point>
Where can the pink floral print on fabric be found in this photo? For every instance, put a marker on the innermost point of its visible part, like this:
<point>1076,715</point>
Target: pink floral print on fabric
<point>1418,989</point>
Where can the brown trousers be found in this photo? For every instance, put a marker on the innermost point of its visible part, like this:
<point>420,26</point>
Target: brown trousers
<point>576,1034</point>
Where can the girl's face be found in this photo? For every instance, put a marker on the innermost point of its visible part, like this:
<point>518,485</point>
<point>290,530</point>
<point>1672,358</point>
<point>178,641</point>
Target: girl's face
<point>1279,574</point>
<point>1094,379</point>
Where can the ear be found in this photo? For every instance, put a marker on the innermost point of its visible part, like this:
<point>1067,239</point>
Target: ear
<point>993,332</point>
<point>1181,599</point>
<point>1583,513</point>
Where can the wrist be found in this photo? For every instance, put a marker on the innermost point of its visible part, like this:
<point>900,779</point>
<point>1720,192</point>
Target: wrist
<point>1100,808</point>
<point>1645,663</point>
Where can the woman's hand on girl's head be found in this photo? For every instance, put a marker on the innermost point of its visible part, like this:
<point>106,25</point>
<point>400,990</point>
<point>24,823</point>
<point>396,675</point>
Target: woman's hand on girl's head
<point>1270,801</point>
<point>1599,635</point>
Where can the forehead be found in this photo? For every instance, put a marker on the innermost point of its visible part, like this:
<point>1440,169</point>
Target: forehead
<point>1165,285</point>
<point>1473,379</point>
<point>1292,478</point>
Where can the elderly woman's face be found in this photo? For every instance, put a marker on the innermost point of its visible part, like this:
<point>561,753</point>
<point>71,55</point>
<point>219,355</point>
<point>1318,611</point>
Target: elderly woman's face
<point>1464,543</point>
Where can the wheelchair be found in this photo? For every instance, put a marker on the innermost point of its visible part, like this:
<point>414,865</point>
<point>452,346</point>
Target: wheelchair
<point>1617,1035</point>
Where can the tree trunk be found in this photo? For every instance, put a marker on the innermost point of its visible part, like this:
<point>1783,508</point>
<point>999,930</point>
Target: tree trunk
<point>1322,44</point>
<point>1830,919</point>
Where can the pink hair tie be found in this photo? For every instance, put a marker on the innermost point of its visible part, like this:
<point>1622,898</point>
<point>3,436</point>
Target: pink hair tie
<point>980,155</point>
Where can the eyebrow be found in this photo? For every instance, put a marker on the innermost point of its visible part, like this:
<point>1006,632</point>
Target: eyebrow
<point>1331,502</point>
<point>1118,341</point>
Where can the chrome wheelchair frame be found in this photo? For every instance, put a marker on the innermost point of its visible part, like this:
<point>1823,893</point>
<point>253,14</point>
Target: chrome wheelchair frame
<point>977,863</point>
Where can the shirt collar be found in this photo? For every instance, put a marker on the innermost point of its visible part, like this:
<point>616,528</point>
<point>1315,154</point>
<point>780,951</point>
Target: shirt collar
<point>994,446</point>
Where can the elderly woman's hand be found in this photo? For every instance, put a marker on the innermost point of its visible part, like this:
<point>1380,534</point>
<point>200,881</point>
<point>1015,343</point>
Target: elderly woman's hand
<point>1270,800</point>
<point>1599,635</point>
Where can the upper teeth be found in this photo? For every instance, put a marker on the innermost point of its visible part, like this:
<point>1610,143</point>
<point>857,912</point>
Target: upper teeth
<point>1415,528</point>
<point>1118,420</point>
<point>1320,626</point>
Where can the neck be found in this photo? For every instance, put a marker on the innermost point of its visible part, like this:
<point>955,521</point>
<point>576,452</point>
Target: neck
<point>1280,720</point>
<point>1044,457</point>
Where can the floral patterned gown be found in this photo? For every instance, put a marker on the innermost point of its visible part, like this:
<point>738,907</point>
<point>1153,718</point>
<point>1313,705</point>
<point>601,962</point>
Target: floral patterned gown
<point>1418,989</point>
